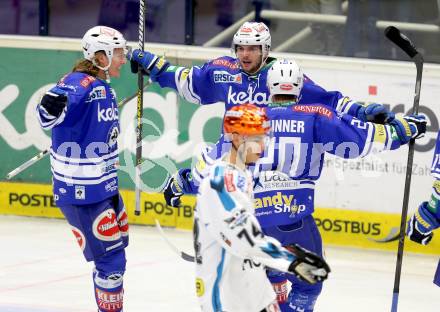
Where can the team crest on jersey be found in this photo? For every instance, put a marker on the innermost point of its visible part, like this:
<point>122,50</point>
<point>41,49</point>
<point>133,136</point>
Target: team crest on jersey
<point>80,192</point>
<point>97,93</point>
<point>81,240</point>
<point>321,110</point>
<point>112,136</point>
<point>106,227</point>
<point>221,76</point>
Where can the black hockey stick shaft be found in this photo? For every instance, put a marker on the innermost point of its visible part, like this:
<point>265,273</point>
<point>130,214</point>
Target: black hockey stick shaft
<point>45,152</point>
<point>406,45</point>
<point>140,109</point>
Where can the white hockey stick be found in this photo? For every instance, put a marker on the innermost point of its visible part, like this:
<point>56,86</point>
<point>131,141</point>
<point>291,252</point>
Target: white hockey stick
<point>182,254</point>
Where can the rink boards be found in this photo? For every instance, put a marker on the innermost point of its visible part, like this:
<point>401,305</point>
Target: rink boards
<point>359,200</point>
<point>341,227</point>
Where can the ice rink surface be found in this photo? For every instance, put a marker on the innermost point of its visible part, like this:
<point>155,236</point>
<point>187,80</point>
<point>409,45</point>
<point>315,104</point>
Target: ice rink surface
<point>42,270</point>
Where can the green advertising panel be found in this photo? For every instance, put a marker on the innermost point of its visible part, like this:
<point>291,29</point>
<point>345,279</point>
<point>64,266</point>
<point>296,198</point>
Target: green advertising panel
<point>172,128</point>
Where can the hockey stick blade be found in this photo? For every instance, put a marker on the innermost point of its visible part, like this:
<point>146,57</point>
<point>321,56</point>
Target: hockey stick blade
<point>391,237</point>
<point>402,41</point>
<point>182,254</point>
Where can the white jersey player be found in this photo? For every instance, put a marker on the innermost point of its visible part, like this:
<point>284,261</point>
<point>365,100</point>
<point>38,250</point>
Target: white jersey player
<point>231,250</point>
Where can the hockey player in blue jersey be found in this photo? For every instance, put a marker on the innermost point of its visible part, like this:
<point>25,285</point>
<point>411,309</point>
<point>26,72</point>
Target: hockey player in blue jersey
<point>81,110</point>
<point>235,81</point>
<point>285,176</point>
<point>427,217</point>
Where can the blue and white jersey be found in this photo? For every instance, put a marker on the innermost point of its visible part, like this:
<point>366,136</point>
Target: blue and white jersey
<point>84,151</point>
<point>301,134</point>
<point>222,80</point>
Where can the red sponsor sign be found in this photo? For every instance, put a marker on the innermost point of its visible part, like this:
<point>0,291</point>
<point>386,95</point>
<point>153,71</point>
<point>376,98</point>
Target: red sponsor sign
<point>246,29</point>
<point>106,227</point>
<point>316,109</point>
<point>229,182</point>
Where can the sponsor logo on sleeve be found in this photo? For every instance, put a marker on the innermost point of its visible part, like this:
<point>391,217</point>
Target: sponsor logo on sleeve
<point>86,81</point>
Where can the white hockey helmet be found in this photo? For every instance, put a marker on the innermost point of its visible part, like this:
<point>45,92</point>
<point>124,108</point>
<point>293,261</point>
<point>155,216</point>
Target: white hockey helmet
<point>285,77</point>
<point>102,38</point>
<point>253,33</point>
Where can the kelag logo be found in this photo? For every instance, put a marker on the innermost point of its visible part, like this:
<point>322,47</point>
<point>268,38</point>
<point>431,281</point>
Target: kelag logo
<point>348,226</point>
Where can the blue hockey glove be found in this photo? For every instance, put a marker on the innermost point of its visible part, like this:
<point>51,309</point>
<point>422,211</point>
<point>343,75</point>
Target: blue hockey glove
<point>420,226</point>
<point>54,103</point>
<point>408,127</point>
<point>376,113</point>
<point>178,184</point>
<point>152,64</point>
<point>308,266</point>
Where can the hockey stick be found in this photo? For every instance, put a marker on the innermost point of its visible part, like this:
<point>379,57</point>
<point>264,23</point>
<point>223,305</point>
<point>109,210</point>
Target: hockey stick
<point>45,152</point>
<point>140,108</point>
<point>182,254</point>
<point>393,34</point>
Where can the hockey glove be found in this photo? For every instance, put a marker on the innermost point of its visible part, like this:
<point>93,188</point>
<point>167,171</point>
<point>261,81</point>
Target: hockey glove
<point>308,266</point>
<point>177,185</point>
<point>376,113</point>
<point>54,103</point>
<point>152,65</point>
<point>420,226</point>
<point>408,127</point>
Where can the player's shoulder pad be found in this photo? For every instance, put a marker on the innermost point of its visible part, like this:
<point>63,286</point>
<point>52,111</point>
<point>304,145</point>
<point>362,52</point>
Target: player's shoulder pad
<point>225,63</point>
<point>226,178</point>
<point>314,109</point>
<point>77,82</point>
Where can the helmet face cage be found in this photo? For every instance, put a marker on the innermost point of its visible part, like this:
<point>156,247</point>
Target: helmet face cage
<point>285,77</point>
<point>246,119</point>
<point>252,33</point>
<point>102,38</point>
